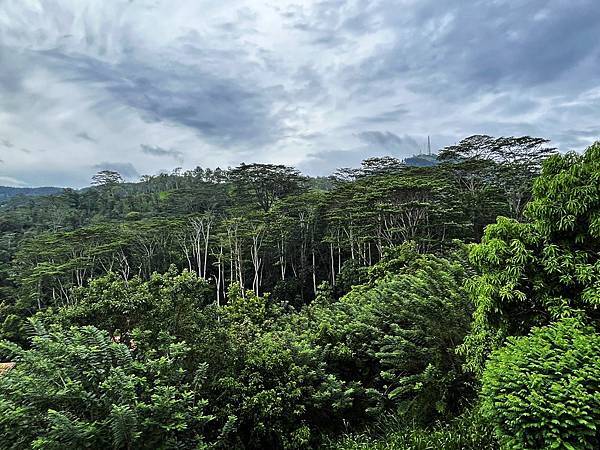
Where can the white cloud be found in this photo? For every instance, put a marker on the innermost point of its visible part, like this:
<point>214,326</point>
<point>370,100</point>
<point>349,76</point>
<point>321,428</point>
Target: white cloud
<point>85,82</point>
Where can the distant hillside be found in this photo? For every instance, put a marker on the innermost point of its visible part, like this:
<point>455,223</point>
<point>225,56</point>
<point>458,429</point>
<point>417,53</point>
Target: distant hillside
<point>422,160</point>
<point>7,192</point>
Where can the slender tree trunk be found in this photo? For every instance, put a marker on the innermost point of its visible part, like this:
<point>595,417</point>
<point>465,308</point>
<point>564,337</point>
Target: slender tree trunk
<point>256,261</point>
<point>282,259</point>
<point>206,242</point>
<point>314,272</point>
<point>332,264</point>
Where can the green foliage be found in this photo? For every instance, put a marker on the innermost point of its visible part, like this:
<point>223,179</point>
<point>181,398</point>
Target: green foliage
<point>79,389</point>
<point>537,272</point>
<point>288,291</point>
<point>271,390</point>
<point>265,183</point>
<point>543,390</point>
<point>256,308</point>
<point>467,432</point>
<point>352,274</point>
<point>505,164</point>
<point>393,340</point>
<point>281,379</point>
<point>168,302</point>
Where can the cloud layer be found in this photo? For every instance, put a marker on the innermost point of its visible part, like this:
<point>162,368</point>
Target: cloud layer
<point>144,85</point>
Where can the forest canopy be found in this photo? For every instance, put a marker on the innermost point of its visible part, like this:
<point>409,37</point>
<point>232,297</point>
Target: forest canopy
<point>453,305</point>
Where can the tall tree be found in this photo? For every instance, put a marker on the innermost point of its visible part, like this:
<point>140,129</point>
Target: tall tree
<point>507,163</point>
<point>107,178</point>
<point>263,184</point>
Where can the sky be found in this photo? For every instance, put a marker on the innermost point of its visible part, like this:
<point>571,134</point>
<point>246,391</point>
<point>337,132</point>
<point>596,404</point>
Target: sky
<point>144,86</point>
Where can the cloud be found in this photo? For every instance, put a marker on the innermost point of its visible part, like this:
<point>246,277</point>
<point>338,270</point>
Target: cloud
<point>86,137</point>
<point>317,83</point>
<point>395,115</point>
<point>466,48</point>
<point>159,151</point>
<point>9,181</point>
<point>389,141</point>
<point>221,110</point>
<point>370,144</point>
<point>125,169</point>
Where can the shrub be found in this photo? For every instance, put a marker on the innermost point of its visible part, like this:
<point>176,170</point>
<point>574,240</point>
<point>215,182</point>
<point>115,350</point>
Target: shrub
<point>467,432</point>
<point>543,391</point>
<point>77,388</point>
<point>396,338</point>
<point>168,302</point>
<point>352,273</point>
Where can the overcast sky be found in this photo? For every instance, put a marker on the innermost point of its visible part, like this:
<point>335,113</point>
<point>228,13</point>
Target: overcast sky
<point>141,86</point>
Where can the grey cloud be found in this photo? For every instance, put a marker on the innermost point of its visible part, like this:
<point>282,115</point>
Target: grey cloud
<point>86,137</point>
<point>389,141</point>
<point>392,115</point>
<point>127,170</point>
<point>467,47</point>
<point>286,81</point>
<point>327,162</point>
<point>309,84</point>
<point>378,144</point>
<point>9,181</point>
<point>337,15</point>
<point>509,105</point>
<point>155,150</point>
<point>574,139</point>
<point>323,24</point>
<point>587,133</point>
<point>223,110</point>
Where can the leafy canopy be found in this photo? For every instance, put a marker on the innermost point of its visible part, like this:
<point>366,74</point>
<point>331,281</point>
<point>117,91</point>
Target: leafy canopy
<point>536,272</point>
<point>543,390</point>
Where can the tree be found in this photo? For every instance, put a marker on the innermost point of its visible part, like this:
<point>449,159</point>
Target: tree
<point>263,184</point>
<point>392,339</point>
<point>508,163</point>
<point>385,165</point>
<point>107,178</point>
<point>303,213</point>
<point>287,309</point>
<point>536,272</point>
<point>202,227</point>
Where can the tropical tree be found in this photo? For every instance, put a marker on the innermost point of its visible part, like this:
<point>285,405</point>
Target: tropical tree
<point>536,272</point>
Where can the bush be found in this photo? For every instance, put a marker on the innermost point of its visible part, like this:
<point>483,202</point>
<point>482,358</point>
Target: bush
<point>270,378</point>
<point>467,432</point>
<point>77,388</point>
<point>168,302</point>
<point>284,380</point>
<point>543,391</point>
<point>396,339</point>
<point>352,274</point>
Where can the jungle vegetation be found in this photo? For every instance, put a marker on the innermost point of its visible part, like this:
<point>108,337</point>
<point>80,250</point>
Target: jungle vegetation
<point>450,306</point>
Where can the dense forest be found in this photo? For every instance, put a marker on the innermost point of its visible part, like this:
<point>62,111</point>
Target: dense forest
<point>452,305</point>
